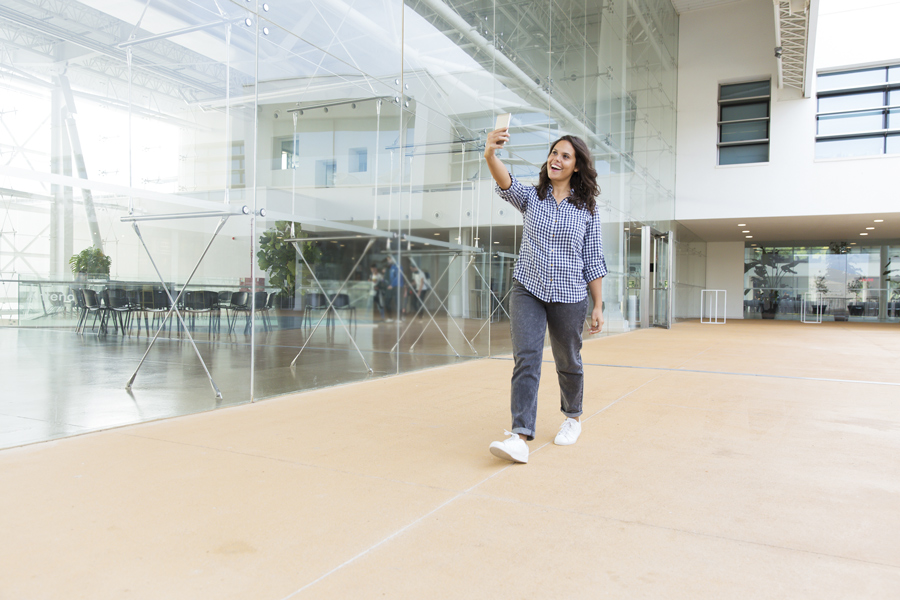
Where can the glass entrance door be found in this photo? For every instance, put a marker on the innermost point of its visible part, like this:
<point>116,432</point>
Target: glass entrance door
<point>660,280</point>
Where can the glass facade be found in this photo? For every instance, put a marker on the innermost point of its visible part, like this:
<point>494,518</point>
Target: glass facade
<point>847,282</point>
<point>263,167</point>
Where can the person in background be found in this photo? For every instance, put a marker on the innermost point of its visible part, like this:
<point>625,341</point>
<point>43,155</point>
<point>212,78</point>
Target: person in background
<point>560,259</point>
<point>378,285</point>
<point>395,291</point>
<point>420,285</point>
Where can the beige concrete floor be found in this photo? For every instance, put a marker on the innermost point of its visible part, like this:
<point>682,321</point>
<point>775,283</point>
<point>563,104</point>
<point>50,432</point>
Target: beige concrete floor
<point>749,460</point>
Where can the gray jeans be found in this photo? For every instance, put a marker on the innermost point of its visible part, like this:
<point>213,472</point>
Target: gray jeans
<point>530,319</point>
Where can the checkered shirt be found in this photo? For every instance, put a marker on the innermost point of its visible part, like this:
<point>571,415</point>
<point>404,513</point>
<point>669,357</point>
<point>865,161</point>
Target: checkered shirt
<point>562,246</point>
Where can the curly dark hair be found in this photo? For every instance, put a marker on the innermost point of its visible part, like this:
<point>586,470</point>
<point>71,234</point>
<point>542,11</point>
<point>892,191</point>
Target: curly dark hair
<point>584,180</point>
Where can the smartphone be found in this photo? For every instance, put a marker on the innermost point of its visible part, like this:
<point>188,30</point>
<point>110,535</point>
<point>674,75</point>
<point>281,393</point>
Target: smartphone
<point>502,121</point>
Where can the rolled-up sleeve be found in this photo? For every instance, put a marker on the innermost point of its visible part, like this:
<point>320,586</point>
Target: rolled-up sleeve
<point>594,261</point>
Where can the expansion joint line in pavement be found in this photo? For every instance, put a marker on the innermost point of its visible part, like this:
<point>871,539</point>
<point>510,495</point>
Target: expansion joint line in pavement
<point>739,374</point>
<point>441,506</point>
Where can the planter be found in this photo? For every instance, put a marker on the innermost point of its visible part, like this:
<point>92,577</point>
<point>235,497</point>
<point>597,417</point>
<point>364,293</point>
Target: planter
<point>288,318</point>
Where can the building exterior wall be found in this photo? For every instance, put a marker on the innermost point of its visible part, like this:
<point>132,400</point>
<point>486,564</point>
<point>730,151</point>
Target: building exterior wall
<point>734,43</point>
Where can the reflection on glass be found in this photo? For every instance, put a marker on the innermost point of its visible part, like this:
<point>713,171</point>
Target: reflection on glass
<point>851,102</point>
<point>744,90</point>
<point>755,110</point>
<point>850,148</point>
<point>739,132</point>
<point>320,123</point>
<point>893,144</point>
<point>837,81</point>
<point>734,155</point>
<point>850,123</point>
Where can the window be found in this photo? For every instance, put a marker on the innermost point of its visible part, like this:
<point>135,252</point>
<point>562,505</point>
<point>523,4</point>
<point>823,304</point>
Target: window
<point>358,160</point>
<point>237,165</point>
<point>325,173</point>
<point>744,122</point>
<point>858,113</point>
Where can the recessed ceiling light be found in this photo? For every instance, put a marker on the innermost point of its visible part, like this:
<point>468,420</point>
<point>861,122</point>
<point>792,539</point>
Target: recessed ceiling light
<point>864,234</point>
<point>746,231</point>
<point>870,228</point>
<point>748,236</point>
<point>437,234</point>
<point>852,243</point>
<point>879,220</point>
<point>496,242</point>
<point>753,245</point>
<point>627,229</point>
<point>742,224</point>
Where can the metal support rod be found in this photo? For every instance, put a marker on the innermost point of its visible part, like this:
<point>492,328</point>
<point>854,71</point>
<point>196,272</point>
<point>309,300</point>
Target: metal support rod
<point>484,281</point>
<point>174,305</point>
<point>431,317</point>
<point>331,302</point>
<point>245,210</point>
<point>169,34</point>
<point>491,316</point>
<point>444,306</point>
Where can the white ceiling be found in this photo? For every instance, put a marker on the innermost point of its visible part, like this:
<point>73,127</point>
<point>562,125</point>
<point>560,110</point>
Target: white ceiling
<point>814,229</point>
<point>682,6</point>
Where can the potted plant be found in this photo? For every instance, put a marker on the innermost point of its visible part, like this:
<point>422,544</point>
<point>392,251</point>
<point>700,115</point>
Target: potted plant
<point>279,260</point>
<point>90,263</point>
<point>819,305</point>
<point>770,267</point>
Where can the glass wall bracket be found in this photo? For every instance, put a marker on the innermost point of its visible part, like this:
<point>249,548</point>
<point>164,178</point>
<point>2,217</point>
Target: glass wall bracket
<point>331,298</point>
<point>443,305</point>
<point>173,303</point>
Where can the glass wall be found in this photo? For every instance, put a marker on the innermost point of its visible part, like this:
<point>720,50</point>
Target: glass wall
<point>303,182</point>
<point>840,282</point>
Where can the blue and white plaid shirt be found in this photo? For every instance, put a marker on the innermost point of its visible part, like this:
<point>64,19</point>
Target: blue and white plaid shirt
<point>562,246</point>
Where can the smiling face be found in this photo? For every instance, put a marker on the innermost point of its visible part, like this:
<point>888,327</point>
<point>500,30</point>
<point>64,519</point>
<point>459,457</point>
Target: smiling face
<point>561,163</point>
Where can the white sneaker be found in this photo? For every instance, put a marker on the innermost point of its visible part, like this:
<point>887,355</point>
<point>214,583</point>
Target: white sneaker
<point>512,448</point>
<point>568,432</point>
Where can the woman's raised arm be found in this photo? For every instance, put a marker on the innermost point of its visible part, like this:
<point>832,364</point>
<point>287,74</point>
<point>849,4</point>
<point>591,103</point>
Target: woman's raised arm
<point>495,141</point>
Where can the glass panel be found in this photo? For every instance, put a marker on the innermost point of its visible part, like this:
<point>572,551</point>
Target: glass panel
<point>835,81</point>
<point>744,90</point>
<point>740,132</point>
<point>893,144</point>
<point>894,98</point>
<point>850,123</point>
<point>894,74</point>
<point>851,102</point>
<point>850,148</point>
<point>756,110</point>
<point>334,131</point>
<point>735,155</point>
<point>660,267</point>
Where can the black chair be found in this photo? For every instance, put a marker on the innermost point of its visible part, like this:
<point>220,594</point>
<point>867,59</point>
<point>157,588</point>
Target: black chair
<point>314,301</point>
<point>342,302</point>
<point>119,307</point>
<point>263,305</point>
<point>201,302</point>
<point>78,293</point>
<point>240,303</point>
<point>155,302</point>
<point>92,306</point>
<point>224,299</point>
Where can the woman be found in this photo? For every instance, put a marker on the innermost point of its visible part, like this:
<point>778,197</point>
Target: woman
<point>561,254</point>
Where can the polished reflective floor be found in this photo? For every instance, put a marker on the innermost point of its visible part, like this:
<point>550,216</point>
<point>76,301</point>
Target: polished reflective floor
<point>57,383</point>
